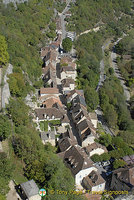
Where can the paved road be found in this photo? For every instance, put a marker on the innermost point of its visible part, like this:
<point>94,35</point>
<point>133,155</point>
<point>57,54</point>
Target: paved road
<point>117,72</point>
<point>102,67</point>
<point>62,17</point>
<point>100,84</point>
<point>0,88</point>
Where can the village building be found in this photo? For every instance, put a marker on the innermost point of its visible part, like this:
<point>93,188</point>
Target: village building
<point>95,148</point>
<point>94,182</point>
<point>68,72</point>
<point>49,92</point>
<point>51,102</point>
<point>129,159</point>
<point>78,162</point>
<point>30,190</point>
<point>123,179</point>
<point>93,118</point>
<point>48,136</point>
<point>72,94</point>
<point>67,85</point>
<point>49,75</point>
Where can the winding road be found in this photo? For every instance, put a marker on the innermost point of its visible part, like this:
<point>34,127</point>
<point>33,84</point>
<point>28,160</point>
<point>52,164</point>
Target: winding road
<point>118,74</point>
<point>98,111</point>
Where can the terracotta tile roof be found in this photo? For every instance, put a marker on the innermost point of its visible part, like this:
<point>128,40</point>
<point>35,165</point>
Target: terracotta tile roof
<point>49,91</point>
<point>51,101</point>
<point>45,51</point>
<point>65,60</point>
<point>67,69</point>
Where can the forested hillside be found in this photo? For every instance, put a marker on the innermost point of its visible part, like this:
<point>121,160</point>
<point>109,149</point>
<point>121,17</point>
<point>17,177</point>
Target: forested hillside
<point>86,14</point>
<point>23,29</point>
<point>23,33</point>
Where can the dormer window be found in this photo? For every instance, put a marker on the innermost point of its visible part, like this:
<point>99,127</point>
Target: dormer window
<point>70,158</point>
<point>53,117</point>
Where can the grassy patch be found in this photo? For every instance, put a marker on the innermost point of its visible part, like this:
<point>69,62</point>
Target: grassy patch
<point>44,126</point>
<point>18,172</point>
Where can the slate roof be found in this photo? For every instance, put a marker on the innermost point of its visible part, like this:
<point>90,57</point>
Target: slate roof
<point>48,135</point>
<point>125,175</point>
<point>65,143</point>
<point>129,159</point>
<point>66,82</point>
<point>93,179</point>
<point>80,99</point>
<point>94,146</point>
<point>50,112</point>
<point>76,159</point>
<point>30,188</point>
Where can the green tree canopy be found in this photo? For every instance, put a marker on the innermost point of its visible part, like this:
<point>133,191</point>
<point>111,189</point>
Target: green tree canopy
<point>5,127</point>
<point>119,163</point>
<point>67,44</point>
<point>4,57</point>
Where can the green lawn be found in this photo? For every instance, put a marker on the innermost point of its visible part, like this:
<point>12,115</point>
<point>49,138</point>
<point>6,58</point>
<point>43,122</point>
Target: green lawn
<point>52,123</point>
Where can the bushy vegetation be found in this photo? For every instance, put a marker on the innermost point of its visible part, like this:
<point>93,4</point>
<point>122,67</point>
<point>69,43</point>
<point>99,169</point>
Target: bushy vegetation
<point>86,14</point>
<point>119,149</point>
<point>67,44</point>
<point>125,48</point>
<point>23,29</point>
<point>89,54</point>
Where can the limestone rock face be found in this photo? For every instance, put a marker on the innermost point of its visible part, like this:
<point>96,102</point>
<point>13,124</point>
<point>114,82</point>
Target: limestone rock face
<point>14,1</point>
<point>5,89</point>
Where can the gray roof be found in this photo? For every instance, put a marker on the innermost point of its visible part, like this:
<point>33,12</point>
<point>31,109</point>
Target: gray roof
<point>48,135</point>
<point>80,99</point>
<point>30,188</point>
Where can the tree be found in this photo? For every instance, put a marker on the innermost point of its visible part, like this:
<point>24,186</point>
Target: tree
<point>118,142</point>
<point>105,139</point>
<point>111,116</point>
<point>105,156</point>
<point>4,57</point>
<point>5,127</point>
<point>119,163</point>
<point>2,197</point>
<point>92,98</point>
<point>96,158</point>
<point>67,44</point>
<point>17,85</point>
<point>111,70</point>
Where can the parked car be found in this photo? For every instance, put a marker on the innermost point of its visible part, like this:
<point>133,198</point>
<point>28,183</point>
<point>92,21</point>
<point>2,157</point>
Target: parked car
<point>106,163</point>
<point>108,173</point>
<point>107,167</point>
